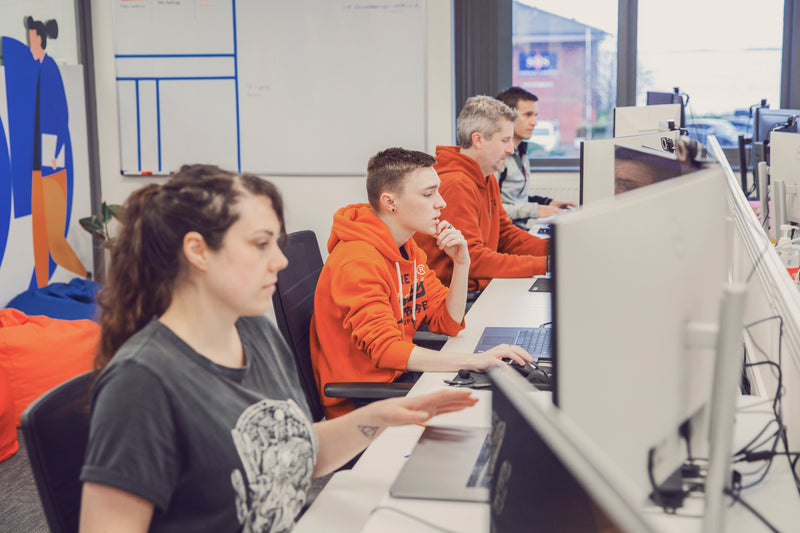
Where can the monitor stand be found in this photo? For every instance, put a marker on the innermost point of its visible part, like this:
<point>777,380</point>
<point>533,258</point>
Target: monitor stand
<point>727,376</point>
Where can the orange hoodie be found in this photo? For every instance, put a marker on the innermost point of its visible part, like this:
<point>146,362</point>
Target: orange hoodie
<point>497,248</point>
<point>369,303</point>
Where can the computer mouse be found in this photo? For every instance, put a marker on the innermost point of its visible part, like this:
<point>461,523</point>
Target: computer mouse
<point>534,375</point>
<point>525,370</point>
<point>539,377</point>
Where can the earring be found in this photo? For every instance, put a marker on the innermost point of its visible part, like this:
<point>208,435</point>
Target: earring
<point>393,210</point>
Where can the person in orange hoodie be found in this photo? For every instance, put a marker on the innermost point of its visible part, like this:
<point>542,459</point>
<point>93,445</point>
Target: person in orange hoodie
<point>497,248</point>
<point>376,289</point>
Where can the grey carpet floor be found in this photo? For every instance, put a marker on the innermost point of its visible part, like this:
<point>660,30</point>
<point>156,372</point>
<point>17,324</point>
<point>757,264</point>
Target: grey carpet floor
<point>20,508</point>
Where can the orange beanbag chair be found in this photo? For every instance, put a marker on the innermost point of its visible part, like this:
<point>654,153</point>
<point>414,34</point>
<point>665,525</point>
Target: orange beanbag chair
<point>8,427</point>
<point>37,353</point>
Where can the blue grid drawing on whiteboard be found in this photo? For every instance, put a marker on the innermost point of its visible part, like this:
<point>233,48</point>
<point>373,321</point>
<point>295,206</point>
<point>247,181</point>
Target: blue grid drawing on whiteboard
<point>167,99</point>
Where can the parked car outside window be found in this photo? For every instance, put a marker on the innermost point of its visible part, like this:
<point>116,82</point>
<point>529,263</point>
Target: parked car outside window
<point>546,136</point>
<point>725,132</point>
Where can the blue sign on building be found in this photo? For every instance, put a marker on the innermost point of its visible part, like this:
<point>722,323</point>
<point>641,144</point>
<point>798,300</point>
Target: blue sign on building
<point>537,63</point>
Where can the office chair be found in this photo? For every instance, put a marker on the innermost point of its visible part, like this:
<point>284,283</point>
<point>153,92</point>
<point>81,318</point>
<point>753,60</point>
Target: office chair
<point>294,304</point>
<point>56,430</point>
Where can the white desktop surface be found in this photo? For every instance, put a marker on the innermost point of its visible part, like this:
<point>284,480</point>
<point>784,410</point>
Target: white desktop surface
<point>359,500</point>
<point>505,302</point>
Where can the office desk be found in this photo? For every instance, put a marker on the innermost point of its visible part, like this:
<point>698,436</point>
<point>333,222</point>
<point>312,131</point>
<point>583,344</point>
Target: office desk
<point>358,500</point>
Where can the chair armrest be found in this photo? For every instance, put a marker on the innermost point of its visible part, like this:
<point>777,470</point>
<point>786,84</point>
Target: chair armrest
<point>429,340</point>
<point>364,390</point>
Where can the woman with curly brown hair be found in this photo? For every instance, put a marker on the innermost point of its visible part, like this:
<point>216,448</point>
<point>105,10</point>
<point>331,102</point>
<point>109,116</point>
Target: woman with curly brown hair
<point>198,419</point>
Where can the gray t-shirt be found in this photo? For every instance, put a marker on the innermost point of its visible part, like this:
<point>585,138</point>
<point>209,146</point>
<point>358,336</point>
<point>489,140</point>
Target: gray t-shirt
<point>213,448</point>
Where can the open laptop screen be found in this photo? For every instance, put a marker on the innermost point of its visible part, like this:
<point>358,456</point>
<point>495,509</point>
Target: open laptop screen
<point>545,474</point>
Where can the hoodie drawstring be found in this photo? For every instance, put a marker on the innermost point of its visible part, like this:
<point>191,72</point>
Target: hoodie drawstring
<point>399,289</point>
<point>400,293</point>
<point>414,298</point>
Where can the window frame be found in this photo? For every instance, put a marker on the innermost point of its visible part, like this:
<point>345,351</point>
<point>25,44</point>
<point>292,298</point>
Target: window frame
<point>478,25</point>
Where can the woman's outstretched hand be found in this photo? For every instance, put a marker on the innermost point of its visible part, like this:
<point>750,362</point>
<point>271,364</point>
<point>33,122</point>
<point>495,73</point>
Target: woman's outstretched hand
<point>418,409</point>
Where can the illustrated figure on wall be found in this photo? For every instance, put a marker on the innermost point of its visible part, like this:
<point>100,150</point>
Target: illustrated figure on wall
<point>39,139</point>
<point>5,192</point>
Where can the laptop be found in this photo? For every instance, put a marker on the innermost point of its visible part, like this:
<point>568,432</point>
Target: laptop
<point>447,464</point>
<point>548,476</point>
<point>536,341</point>
<point>540,285</point>
<point>542,471</point>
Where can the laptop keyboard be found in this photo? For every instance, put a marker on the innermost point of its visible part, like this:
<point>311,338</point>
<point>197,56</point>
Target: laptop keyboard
<point>536,341</point>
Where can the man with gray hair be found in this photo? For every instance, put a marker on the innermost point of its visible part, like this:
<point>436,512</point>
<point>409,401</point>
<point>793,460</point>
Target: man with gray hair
<point>497,248</point>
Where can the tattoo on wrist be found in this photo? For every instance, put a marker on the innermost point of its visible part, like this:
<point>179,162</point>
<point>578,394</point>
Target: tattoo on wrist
<point>368,431</point>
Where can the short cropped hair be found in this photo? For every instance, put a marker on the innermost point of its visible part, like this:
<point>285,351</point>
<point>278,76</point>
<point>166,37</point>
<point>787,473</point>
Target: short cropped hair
<point>513,95</point>
<point>386,171</point>
<point>482,114</point>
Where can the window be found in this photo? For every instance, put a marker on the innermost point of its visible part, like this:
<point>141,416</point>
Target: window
<point>566,54</point>
<point>725,56</point>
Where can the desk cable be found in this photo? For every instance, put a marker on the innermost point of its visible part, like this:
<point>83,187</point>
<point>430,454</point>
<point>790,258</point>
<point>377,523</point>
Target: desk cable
<point>411,516</point>
<point>780,433</point>
<point>738,499</point>
<point>671,500</point>
<point>750,452</point>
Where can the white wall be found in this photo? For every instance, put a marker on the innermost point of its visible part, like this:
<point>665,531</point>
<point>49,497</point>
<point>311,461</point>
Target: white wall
<point>563,186</point>
<point>310,201</point>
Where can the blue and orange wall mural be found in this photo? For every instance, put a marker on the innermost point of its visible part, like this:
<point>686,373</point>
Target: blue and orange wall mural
<point>44,183</point>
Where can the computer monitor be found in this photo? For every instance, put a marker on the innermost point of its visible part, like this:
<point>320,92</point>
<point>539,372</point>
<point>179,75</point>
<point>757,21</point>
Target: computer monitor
<point>598,162</point>
<point>636,120</point>
<point>547,474</point>
<point>636,281</point>
<point>784,172</point>
<point>636,167</point>
<point>662,98</point>
<point>768,120</point>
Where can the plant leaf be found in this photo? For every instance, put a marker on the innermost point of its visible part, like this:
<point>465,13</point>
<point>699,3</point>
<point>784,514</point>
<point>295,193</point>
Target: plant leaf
<point>106,212</point>
<point>116,210</point>
<point>93,225</point>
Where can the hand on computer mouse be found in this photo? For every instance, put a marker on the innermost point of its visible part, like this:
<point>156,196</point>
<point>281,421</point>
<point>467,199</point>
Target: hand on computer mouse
<point>563,205</point>
<point>533,374</point>
<point>548,211</point>
<point>525,369</point>
<point>498,356</point>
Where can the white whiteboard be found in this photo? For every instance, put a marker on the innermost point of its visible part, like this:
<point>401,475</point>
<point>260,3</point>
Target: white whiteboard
<point>282,87</point>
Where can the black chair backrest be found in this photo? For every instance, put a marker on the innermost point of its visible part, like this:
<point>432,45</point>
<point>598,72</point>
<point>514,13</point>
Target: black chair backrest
<point>294,304</point>
<point>56,431</point>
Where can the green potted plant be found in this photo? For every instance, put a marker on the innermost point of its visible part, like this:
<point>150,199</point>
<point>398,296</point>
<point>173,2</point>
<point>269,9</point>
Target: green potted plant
<point>98,226</point>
